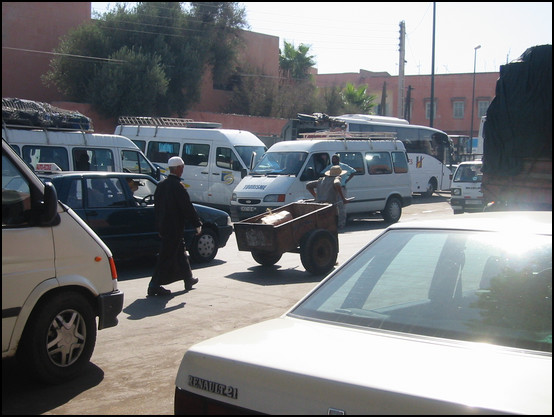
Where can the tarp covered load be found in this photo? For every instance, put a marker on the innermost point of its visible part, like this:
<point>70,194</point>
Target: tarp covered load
<point>26,113</point>
<point>519,119</point>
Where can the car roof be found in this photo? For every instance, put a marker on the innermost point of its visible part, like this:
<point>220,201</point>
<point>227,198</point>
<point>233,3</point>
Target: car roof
<point>531,222</point>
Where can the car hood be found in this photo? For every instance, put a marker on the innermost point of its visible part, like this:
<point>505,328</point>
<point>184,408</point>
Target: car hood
<point>289,365</point>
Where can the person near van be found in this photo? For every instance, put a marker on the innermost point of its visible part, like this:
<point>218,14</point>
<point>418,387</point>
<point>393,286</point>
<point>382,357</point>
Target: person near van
<point>335,160</point>
<point>328,189</point>
<point>172,208</point>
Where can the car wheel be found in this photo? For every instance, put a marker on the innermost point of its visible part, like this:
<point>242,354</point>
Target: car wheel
<point>60,338</point>
<point>318,252</point>
<point>204,246</point>
<point>266,258</point>
<point>392,211</point>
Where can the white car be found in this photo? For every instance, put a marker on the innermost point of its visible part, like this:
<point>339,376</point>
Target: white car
<point>465,191</point>
<point>449,316</point>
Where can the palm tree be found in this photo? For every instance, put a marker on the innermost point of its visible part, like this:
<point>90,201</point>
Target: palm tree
<point>357,99</point>
<point>295,63</point>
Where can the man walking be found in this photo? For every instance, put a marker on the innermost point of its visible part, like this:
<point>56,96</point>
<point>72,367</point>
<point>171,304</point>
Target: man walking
<point>172,209</point>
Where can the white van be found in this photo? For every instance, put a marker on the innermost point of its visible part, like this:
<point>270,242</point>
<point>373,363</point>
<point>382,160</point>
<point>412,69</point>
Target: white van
<point>57,277</point>
<point>215,159</point>
<point>466,193</point>
<point>75,150</point>
<point>382,182</point>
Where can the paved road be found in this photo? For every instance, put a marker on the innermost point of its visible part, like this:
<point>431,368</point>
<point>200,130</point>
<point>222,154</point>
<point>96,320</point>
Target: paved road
<point>134,364</point>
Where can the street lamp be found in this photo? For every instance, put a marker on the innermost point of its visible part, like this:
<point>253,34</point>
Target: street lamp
<point>472,100</point>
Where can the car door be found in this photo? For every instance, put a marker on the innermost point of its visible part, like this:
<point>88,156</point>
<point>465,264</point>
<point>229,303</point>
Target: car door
<point>126,226</point>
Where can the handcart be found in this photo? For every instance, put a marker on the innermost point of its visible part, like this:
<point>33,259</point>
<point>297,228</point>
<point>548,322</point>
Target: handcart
<point>312,232</point>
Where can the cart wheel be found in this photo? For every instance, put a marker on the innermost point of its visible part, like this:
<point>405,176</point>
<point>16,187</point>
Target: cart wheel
<point>266,258</point>
<point>318,251</point>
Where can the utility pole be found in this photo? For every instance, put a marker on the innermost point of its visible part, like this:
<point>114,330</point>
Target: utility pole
<point>401,69</point>
<point>432,110</point>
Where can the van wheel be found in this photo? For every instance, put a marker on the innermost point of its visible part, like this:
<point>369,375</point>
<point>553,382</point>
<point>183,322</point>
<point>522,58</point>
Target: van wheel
<point>318,251</point>
<point>60,338</point>
<point>392,211</point>
<point>204,246</point>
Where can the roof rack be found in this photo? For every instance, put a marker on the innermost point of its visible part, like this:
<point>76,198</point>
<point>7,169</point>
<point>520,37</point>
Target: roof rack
<point>326,135</point>
<point>165,122</point>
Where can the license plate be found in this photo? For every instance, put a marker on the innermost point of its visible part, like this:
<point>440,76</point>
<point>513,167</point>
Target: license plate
<point>248,209</point>
<point>473,202</point>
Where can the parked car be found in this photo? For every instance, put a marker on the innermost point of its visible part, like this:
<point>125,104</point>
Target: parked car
<point>448,316</point>
<point>125,221</point>
<point>465,191</point>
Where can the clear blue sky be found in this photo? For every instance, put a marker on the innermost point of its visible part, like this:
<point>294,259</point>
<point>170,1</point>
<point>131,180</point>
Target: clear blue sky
<point>347,37</point>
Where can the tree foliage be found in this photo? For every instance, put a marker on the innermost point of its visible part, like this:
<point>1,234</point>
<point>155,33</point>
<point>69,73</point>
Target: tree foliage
<point>295,63</point>
<point>149,59</point>
<point>356,100</point>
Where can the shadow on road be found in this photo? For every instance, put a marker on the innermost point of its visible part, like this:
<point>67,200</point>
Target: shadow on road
<point>23,395</point>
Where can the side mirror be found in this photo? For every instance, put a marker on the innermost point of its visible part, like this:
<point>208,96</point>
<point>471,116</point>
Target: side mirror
<point>49,208</point>
<point>243,172</point>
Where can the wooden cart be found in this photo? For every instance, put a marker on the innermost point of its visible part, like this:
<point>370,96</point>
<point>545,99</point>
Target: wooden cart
<point>312,232</point>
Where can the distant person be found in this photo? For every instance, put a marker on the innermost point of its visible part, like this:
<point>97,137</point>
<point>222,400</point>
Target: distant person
<point>344,179</point>
<point>173,209</point>
<point>83,162</point>
<point>328,189</point>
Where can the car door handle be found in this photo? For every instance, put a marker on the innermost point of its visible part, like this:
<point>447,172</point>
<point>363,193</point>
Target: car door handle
<point>215,173</point>
<point>204,172</point>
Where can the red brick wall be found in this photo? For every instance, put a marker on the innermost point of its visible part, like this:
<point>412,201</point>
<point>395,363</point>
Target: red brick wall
<point>34,27</point>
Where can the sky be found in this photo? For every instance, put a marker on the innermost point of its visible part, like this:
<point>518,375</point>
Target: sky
<point>349,36</point>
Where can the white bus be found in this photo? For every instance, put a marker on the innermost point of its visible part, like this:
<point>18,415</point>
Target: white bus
<point>429,150</point>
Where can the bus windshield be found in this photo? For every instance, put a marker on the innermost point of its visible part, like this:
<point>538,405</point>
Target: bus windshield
<point>280,163</point>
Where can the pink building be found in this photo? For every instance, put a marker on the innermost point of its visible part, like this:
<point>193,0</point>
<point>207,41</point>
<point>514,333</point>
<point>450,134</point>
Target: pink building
<point>30,31</point>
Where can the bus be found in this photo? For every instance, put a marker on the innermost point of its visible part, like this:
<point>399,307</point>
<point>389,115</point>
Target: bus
<point>429,150</point>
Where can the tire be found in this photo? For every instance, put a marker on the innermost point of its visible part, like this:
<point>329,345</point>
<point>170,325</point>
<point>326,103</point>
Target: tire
<point>266,258</point>
<point>60,338</point>
<point>204,246</point>
<point>318,251</point>
<point>393,210</point>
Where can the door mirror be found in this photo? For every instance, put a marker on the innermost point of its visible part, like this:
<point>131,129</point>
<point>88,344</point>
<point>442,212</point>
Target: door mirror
<point>49,207</point>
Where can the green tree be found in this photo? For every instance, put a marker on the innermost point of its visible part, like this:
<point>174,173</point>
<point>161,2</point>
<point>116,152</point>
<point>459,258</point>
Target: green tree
<point>162,51</point>
<point>295,63</point>
<point>356,99</point>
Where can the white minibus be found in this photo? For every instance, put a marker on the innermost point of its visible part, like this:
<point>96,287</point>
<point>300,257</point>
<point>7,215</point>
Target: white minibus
<point>75,150</point>
<point>381,183</point>
<point>215,159</point>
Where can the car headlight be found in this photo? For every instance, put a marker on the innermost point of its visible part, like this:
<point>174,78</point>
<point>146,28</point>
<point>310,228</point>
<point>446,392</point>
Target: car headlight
<point>456,191</point>
<point>274,198</point>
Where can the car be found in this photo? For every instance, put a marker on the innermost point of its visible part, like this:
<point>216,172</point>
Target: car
<point>449,316</point>
<point>465,192</point>
<point>125,221</point>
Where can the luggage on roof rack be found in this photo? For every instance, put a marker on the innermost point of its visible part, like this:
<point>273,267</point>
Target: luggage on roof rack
<point>28,113</point>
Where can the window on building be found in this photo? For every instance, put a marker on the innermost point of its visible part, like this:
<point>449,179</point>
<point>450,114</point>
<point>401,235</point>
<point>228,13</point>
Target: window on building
<point>458,108</point>
<point>482,106</point>
<point>428,109</point>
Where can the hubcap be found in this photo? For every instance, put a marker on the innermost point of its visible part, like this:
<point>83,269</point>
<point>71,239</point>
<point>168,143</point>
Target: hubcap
<point>66,338</point>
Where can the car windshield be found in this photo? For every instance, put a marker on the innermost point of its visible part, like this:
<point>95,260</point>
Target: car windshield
<point>464,285</point>
<point>280,163</point>
<point>468,173</point>
<point>246,152</point>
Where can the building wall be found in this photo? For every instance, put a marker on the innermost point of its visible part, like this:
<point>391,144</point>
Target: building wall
<point>39,27</point>
<point>447,89</point>
<point>33,26</point>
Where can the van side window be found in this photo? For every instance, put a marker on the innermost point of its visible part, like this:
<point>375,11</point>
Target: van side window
<point>99,159</point>
<point>378,163</point>
<point>16,196</point>
<point>133,161</point>
<point>34,154</point>
<point>81,160</point>
<point>400,162</point>
<point>353,159</point>
<point>315,167</point>
<point>161,151</point>
<point>141,144</point>
<point>196,154</point>
<point>225,158</point>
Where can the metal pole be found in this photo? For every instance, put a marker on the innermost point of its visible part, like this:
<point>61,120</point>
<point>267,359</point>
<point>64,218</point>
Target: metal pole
<point>432,115</point>
<point>473,100</point>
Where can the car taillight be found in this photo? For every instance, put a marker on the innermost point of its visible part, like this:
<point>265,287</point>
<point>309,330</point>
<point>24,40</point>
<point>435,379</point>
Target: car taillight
<point>113,268</point>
